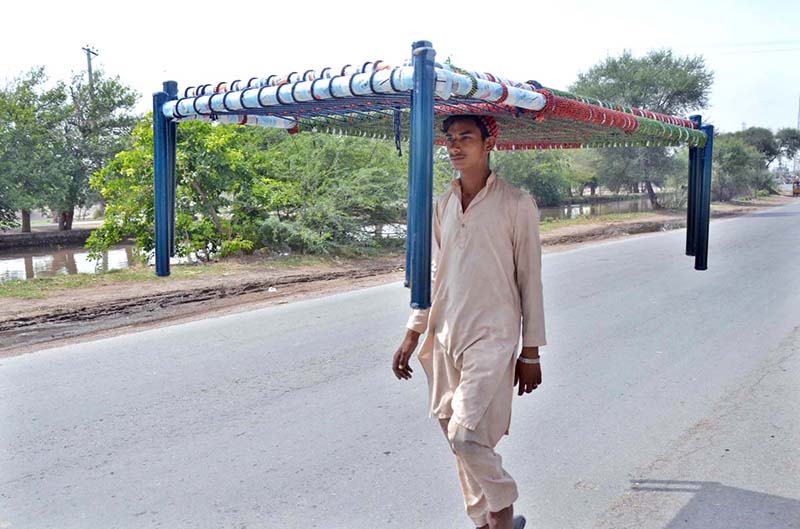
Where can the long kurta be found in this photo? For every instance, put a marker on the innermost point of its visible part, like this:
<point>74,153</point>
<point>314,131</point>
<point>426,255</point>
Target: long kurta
<point>487,289</point>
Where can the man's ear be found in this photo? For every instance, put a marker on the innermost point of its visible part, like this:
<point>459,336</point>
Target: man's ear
<point>489,143</point>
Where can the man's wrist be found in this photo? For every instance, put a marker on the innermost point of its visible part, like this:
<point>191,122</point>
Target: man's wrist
<point>411,334</point>
<point>530,352</point>
<point>524,360</point>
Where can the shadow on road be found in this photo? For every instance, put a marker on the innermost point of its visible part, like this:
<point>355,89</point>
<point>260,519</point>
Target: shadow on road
<point>714,505</point>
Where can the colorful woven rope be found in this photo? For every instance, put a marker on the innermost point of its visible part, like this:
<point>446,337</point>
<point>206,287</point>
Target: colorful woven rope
<point>372,99</point>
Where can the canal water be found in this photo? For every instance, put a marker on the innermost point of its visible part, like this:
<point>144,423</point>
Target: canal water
<point>592,210</point>
<point>28,263</point>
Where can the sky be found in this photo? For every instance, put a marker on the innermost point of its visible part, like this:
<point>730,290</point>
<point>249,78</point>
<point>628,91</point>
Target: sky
<point>752,47</point>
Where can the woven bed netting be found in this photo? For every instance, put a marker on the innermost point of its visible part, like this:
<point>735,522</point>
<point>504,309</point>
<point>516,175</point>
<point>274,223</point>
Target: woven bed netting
<point>407,103</point>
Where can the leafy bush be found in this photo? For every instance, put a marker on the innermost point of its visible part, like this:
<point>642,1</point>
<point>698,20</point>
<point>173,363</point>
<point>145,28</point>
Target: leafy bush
<point>236,247</point>
<point>737,169</point>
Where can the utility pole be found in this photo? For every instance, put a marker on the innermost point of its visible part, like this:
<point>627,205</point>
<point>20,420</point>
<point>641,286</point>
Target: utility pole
<point>89,53</point>
<point>797,155</point>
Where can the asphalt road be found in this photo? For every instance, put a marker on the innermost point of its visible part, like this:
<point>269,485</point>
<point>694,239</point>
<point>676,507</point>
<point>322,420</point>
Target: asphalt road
<point>671,398</point>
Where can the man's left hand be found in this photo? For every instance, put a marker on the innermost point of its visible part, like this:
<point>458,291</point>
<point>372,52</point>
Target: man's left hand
<point>528,376</point>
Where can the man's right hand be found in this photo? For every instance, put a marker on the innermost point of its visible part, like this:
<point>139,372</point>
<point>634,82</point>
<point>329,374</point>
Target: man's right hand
<point>401,357</point>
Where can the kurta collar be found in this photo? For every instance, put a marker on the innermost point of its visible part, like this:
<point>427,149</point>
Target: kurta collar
<point>455,184</point>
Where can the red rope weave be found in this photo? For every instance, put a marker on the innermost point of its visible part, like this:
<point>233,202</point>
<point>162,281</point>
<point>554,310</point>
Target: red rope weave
<point>575,110</point>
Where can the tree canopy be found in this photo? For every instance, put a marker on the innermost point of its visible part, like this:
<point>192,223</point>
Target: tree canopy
<point>245,188</point>
<point>33,153</point>
<point>660,82</point>
<point>737,168</point>
<point>53,136</point>
<point>785,143</point>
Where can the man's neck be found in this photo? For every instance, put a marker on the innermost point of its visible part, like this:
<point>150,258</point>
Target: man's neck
<point>475,180</point>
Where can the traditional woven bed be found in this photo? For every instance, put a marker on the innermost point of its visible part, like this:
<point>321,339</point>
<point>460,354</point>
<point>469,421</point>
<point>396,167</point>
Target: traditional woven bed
<point>406,103</point>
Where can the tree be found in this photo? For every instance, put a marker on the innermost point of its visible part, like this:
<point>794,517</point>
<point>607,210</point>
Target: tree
<point>763,141</point>
<point>737,169</point>
<point>660,82</point>
<point>544,174</point>
<point>242,188</point>
<point>97,127</point>
<point>788,142</point>
<point>209,161</point>
<point>32,151</point>
<point>582,165</point>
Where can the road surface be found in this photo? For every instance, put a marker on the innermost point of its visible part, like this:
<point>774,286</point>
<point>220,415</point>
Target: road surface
<point>671,398</point>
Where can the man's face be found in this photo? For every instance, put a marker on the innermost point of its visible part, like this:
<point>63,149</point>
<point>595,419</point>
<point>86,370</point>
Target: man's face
<point>466,148</point>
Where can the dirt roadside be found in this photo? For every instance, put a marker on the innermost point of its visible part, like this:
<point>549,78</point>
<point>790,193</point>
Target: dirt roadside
<point>72,315</point>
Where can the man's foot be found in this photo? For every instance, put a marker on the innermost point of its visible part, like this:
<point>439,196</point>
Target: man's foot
<point>519,522</point>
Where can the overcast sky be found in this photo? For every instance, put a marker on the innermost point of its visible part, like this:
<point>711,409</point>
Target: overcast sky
<point>752,47</point>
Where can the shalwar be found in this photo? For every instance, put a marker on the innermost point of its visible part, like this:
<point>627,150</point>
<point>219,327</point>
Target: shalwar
<point>487,289</point>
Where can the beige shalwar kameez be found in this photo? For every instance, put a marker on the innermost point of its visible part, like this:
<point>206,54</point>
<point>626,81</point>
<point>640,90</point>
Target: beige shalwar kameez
<point>486,267</point>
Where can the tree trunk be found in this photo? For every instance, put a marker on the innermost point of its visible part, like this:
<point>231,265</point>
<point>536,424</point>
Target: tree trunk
<point>211,211</point>
<point>593,188</point>
<point>651,194</point>
<point>26,221</point>
<point>65,220</point>
<point>30,272</point>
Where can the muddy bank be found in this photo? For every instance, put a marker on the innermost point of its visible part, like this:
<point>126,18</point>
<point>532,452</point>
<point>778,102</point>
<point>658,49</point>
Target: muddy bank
<point>104,311</point>
<point>609,230</point>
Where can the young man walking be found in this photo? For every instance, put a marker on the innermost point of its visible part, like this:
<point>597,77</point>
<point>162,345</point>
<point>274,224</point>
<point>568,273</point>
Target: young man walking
<point>486,290</point>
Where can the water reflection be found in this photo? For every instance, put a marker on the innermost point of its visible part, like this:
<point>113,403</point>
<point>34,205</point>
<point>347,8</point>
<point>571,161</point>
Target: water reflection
<point>46,262</point>
<point>604,208</point>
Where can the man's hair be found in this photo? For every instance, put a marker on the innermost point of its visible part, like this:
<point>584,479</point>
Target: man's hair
<point>465,117</point>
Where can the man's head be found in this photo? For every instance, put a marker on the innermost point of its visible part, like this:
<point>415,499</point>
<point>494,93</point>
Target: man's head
<point>469,140</point>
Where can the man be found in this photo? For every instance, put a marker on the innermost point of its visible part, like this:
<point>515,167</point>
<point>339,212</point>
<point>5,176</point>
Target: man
<point>486,284</point>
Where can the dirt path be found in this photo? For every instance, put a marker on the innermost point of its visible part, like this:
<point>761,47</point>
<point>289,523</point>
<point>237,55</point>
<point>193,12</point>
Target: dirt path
<point>76,314</point>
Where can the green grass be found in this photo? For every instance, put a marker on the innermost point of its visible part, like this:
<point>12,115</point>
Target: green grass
<point>550,225</point>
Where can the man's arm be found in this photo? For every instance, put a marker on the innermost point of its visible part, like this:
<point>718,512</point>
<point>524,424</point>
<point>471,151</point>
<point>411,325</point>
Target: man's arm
<point>528,263</point>
<point>418,321</point>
